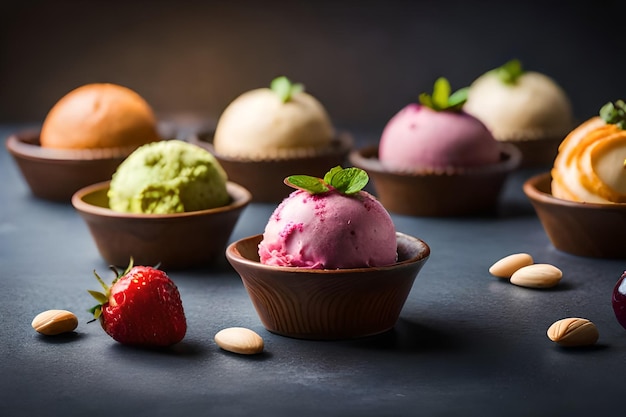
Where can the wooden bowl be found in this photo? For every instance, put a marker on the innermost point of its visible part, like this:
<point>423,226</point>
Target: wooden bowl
<point>328,304</point>
<point>176,241</point>
<point>264,178</point>
<point>457,193</point>
<point>537,152</point>
<point>583,229</point>
<point>56,174</point>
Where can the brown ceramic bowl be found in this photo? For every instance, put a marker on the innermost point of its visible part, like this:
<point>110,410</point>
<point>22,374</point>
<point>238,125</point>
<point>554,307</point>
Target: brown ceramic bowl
<point>461,193</point>
<point>56,174</point>
<point>328,304</point>
<point>176,241</point>
<point>583,229</point>
<point>537,152</point>
<point>264,178</point>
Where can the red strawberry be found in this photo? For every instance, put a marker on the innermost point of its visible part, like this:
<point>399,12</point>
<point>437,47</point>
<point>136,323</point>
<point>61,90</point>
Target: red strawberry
<point>141,307</point>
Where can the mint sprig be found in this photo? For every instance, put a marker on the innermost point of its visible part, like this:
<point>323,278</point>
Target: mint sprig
<point>510,72</point>
<point>347,181</point>
<point>614,113</point>
<point>441,99</point>
<point>285,88</point>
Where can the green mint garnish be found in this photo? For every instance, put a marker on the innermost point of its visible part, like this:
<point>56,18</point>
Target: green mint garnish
<point>441,99</point>
<point>285,88</point>
<point>614,113</point>
<point>307,183</point>
<point>347,181</point>
<point>510,71</point>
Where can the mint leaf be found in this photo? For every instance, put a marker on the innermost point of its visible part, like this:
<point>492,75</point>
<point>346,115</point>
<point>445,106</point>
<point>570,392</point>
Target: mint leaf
<point>458,98</point>
<point>307,183</point>
<point>424,98</point>
<point>614,113</point>
<point>510,71</point>
<point>441,99</point>
<point>328,178</point>
<point>285,88</point>
<point>441,92</point>
<point>347,181</point>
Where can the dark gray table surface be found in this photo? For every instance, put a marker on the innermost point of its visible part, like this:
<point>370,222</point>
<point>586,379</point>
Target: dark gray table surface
<point>466,343</point>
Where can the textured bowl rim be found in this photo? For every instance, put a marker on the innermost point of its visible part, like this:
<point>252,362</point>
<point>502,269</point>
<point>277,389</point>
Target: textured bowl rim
<point>233,255</point>
<point>341,143</point>
<point>510,158</point>
<point>240,195</point>
<point>25,145</point>
<point>535,194</point>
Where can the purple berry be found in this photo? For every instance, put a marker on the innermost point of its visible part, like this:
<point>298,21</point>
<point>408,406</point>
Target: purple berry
<point>619,300</point>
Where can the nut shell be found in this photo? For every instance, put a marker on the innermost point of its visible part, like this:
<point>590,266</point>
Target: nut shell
<point>53,322</point>
<point>239,340</point>
<point>537,276</point>
<point>506,266</point>
<point>573,331</point>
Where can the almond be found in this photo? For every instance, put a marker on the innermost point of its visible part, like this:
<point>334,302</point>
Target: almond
<point>506,266</point>
<point>573,331</point>
<point>239,340</point>
<point>53,322</point>
<point>537,276</point>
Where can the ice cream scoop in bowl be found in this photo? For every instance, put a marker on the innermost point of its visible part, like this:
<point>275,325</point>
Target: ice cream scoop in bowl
<point>83,139</point>
<point>329,264</point>
<point>169,202</point>
<point>266,134</point>
<point>175,241</point>
<point>434,159</point>
<point>581,202</point>
<point>328,304</point>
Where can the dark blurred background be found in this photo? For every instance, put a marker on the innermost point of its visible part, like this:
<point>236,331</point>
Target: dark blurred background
<point>363,59</point>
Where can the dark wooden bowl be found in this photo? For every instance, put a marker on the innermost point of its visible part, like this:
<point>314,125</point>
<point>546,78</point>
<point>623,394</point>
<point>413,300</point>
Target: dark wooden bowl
<point>537,152</point>
<point>584,229</point>
<point>328,304</point>
<point>56,174</point>
<point>176,241</point>
<point>433,194</point>
<point>264,178</point>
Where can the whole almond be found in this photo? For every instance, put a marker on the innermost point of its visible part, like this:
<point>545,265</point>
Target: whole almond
<point>239,340</point>
<point>573,331</point>
<point>506,266</point>
<point>53,322</point>
<point>537,276</point>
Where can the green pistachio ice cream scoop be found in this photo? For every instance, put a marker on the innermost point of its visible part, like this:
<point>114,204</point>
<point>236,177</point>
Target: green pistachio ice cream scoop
<point>169,176</point>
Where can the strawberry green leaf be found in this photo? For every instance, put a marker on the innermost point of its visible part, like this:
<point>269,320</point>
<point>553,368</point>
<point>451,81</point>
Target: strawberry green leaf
<point>100,297</point>
<point>441,99</point>
<point>103,297</point>
<point>104,286</point>
<point>285,88</point>
<point>614,113</point>
<point>96,311</point>
<point>510,71</point>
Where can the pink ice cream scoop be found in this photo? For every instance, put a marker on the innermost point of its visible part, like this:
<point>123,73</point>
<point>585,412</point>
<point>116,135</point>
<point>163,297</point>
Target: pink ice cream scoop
<point>420,138</point>
<point>328,231</point>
